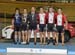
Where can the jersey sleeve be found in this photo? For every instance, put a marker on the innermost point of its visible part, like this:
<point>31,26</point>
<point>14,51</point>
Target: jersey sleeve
<point>28,18</point>
<point>46,18</point>
<point>66,22</point>
<point>55,18</point>
<point>21,17</point>
<point>12,19</point>
<point>65,18</point>
<point>38,18</point>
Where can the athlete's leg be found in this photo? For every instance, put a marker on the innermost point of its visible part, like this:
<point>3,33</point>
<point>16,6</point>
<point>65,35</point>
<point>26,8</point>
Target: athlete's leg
<point>15,37</point>
<point>53,33</point>
<point>54,36</point>
<point>48,38</point>
<point>44,36</point>
<point>41,38</point>
<point>29,35</point>
<point>57,34</point>
<point>48,35</point>
<point>19,37</point>
<point>26,36</point>
<point>23,36</point>
<point>16,34</point>
<point>48,32</point>
<point>35,36</point>
<point>62,34</point>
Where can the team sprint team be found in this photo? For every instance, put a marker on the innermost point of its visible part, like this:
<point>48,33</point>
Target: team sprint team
<point>23,23</point>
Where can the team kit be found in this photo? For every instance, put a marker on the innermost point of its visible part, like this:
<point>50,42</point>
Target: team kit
<point>24,23</point>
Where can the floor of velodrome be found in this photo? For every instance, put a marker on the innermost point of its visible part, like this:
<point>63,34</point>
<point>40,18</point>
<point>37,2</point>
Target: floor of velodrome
<point>70,47</point>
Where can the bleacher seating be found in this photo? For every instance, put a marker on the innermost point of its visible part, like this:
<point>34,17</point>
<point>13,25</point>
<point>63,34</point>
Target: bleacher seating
<point>9,6</point>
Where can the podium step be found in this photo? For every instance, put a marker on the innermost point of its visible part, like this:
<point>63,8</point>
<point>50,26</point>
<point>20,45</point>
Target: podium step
<point>37,51</point>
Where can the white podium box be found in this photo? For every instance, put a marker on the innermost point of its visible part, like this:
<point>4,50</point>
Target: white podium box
<point>36,51</point>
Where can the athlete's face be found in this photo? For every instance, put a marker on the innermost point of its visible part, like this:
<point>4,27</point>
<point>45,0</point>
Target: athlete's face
<point>25,10</point>
<point>17,11</point>
<point>33,9</point>
<point>50,9</point>
<point>46,10</point>
<point>41,10</point>
<point>59,11</point>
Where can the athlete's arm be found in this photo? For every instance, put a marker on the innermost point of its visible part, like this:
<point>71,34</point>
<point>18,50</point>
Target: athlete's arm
<point>38,21</point>
<point>28,18</point>
<point>12,22</point>
<point>55,19</point>
<point>66,22</point>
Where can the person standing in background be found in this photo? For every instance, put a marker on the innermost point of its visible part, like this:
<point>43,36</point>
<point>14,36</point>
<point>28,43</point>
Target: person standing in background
<point>17,20</point>
<point>50,25</point>
<point>42,25</point>
<point>24,26</point>
<point>61,21</point>
<point>32,20</point>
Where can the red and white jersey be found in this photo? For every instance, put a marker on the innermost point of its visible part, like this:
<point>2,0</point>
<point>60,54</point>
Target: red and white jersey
<point>60,18</point>
<point>50,17</point>
<point>42,18</point>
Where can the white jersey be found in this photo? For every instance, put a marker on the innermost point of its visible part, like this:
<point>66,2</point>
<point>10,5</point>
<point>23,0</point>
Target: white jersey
<point>59,20</point>
<point>24,18</point>
<point>42,18</point>
<point>51,18</point>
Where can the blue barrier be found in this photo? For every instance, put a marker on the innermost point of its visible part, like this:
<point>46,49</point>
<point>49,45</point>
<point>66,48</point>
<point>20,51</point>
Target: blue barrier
<point>3,51</point>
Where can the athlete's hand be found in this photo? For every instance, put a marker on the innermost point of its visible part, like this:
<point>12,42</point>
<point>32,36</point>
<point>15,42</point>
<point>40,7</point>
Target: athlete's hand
<point>12,27</point>
<point>38,26</point>
<point>66,27</point>
<point>55,25</point>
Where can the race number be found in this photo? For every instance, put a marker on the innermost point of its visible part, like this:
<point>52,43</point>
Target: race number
<point>59,20</point>
<point>42,18</point>
<point>51,18</point>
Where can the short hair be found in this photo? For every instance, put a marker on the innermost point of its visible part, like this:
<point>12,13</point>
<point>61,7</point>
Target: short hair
<point>50,7</point>
<point>60,8</point>
<point>41,7</point>
<point>33,7</point>
<point>24,8</point>
<point>17,9</point>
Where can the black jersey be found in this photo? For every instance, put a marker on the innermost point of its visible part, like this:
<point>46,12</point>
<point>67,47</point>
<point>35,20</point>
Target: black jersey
<point>32,18</point>
<point>24,18</point>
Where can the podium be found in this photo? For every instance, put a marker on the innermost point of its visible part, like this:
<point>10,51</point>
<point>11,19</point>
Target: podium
<point>36,51</point>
